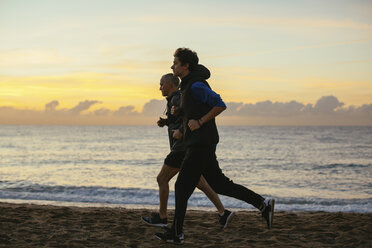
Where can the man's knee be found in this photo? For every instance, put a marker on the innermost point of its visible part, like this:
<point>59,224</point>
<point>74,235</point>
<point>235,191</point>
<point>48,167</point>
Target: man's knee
<point>166,174</point>
<point>161,179</point>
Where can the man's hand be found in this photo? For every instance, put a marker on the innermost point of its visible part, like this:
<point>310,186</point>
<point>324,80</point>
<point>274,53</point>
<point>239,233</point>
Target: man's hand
<point>177,134</point>
<point>196,124</point>
<point>162,122</point>
<point>193,125</point>
<point>175,110</point>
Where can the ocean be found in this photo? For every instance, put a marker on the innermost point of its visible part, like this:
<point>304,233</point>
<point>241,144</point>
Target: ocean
<point>304,168</point>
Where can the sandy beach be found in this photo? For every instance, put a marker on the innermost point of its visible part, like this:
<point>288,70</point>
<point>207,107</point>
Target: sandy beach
<point>27,225</point>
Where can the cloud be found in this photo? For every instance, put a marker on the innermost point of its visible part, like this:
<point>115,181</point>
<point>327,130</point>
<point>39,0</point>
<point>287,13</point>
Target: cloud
<point>233,108</point>
<point>125,111</point>
<point>154,107</point>
<point>327,104</point>
<point>102,112</point>
<point>268,108</point>
<point>82,106</point>
<point>51,107</point>
<point>327,110</point>
<point>85,105</point>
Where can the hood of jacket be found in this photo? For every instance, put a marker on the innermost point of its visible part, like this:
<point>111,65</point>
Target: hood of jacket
<point>200,73</point>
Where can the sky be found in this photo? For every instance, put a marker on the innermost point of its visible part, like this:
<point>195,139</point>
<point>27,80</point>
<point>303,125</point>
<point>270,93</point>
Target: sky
<point>100,62</point>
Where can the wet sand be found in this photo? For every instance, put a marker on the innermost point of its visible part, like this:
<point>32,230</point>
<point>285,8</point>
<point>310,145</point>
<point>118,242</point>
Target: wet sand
<point>26,225</point>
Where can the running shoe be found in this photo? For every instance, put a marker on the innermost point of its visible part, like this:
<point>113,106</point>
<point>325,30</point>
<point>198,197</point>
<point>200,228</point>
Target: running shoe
<point>170,237</point>
<point>268,211</point>
<point>226,218</point>
<point>155,220</point>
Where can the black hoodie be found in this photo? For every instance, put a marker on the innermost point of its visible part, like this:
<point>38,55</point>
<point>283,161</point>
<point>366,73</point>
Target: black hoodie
<point>207,134</point>
<point>174,121</point>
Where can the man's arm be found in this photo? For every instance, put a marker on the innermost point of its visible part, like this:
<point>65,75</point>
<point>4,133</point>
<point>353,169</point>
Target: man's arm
<point>196,124</point>
<point>203,94</point>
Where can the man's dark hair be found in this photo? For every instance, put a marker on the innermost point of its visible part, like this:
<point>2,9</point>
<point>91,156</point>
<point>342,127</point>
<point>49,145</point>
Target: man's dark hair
<point>187,56</point>
<point>172,79</point>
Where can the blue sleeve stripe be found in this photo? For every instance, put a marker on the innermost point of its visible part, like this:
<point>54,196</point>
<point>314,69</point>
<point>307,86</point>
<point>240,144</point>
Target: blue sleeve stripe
<point>203,94</point>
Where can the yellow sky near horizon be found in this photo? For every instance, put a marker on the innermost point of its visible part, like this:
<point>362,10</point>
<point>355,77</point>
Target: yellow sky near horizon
<point>33,92</point>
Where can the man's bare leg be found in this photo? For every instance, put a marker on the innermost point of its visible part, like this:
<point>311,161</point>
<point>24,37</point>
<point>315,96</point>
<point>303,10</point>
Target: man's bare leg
<point>165,175</point>
<point>209,192</point>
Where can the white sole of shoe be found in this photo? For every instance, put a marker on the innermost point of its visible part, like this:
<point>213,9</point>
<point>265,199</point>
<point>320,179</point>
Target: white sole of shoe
<point>272,203</point>
<point>169,241</point>
<point>150,224</point>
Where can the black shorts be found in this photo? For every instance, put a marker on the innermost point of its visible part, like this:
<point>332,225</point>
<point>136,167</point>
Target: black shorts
<point>174,159</point>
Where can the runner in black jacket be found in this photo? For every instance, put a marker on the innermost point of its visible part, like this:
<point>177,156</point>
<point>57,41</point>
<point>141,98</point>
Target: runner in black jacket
<point>199,107</point>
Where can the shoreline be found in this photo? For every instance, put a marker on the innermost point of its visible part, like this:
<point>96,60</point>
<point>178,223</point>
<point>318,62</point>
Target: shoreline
<point>107,205</point>
<point>26,225</point>
<point>154,207</point>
